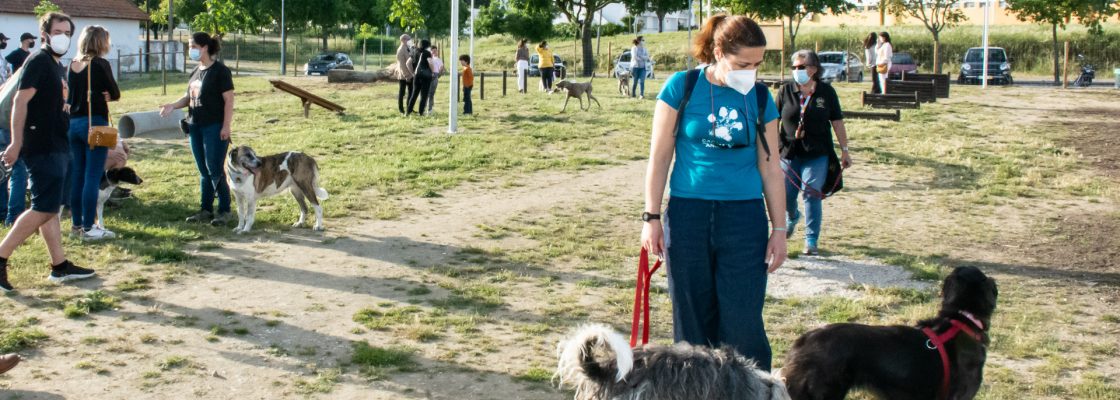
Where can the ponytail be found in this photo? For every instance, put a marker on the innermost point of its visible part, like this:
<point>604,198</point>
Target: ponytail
<point>730,33</point>
<point>213,44</point>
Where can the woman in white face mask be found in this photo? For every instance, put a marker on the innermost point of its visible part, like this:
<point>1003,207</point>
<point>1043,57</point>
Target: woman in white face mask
<point>721,127</point>
<point>810,112</point>
<point>209,99</point>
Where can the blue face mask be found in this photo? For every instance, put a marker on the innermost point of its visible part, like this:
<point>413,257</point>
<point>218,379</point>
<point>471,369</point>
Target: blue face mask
<point>195,54</point>
<point>801,76</point>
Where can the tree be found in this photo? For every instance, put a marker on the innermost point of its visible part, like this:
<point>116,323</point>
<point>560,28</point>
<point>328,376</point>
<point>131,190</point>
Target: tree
<point>407,14</point>
<point>46,7</point>
<point>937,15</point>
<point>1058,13</point>
<point>222,16</point>
<point>659,7</point>
<point>582,12</point>
<point>795,11</point>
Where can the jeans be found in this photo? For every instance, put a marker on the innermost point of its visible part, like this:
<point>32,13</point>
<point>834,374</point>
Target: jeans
<point>875,88</point>
<point>468,108</point>
<point>432,94</point>
<point>405,86</point>
<point>5,140</point>
<point>813,172</point>
<point>639,75</point>
<point>420,85</point>
<point>210,155</point>
<point>547,75</point>
<point>17,192</point>
<point>717,273</point>
<point>883,82</point>
<point>87,166</point>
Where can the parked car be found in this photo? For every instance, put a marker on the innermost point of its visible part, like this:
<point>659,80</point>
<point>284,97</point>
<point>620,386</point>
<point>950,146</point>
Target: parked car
<point>327,61</point>
<point>839,66</point>
<point>622,63</point>
<point>972,66</point>
<point>902,62</point>
<point>558,64</point>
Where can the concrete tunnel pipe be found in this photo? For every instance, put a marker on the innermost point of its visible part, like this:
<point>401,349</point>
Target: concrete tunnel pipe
<point>138,123</point>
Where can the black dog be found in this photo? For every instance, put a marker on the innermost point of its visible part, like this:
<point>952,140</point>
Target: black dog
<point>901,362</point>
<point>110,181</point>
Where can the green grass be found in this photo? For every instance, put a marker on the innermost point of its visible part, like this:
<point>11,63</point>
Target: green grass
<point>378,357</point>
<point>20,335</point>
<point>92,302</point>
<point>324,382</point>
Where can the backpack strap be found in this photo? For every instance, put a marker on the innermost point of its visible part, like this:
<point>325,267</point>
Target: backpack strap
<point>690,78</point>
<point>760,91</point>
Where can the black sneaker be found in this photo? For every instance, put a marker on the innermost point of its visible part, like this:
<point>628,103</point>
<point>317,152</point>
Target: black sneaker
<point>201,216</point>
<point>67,271</point>
<point>5,286</point>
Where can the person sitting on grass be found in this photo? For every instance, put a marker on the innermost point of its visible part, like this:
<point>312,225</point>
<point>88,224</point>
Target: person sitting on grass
<point>468,83</point>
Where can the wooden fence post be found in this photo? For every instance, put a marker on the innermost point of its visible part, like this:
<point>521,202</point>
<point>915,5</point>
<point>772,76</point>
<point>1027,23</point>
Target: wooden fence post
<point>1065,68</point>
<point>504,76</point>
<point>118,65</point>
<point>482,86</point>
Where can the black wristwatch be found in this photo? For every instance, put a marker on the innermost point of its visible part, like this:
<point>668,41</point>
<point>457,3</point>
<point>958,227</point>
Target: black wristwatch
<point>647,216</point>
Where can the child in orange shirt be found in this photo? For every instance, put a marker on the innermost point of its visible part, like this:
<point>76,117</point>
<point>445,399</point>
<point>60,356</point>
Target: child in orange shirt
<point>468,83</point>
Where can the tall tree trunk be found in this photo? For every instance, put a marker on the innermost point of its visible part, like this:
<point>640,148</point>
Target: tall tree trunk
<point>588,53</point>
<point>661,22</point>
<point>1057,53</point>
<point>936,53</point>
<point>792,37</point>
<point>325,36</point>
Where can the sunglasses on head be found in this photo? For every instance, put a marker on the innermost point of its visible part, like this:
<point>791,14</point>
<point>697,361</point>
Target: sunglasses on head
<point>798,67</point>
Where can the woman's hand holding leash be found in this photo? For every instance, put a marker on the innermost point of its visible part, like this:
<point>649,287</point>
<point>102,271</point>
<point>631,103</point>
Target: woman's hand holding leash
<point>653,238</point>
<point>166,110</point>
<point>11,155</point>
<point>776,251</point>
<point>845,160</point>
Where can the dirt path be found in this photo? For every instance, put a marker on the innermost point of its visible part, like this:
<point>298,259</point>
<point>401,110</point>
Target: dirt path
<point>271,310</point>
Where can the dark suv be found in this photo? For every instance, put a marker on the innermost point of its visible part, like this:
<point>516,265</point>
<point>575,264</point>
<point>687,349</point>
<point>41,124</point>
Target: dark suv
<point>327,61</point>
<point>558,66</point>
<point>972,66</point>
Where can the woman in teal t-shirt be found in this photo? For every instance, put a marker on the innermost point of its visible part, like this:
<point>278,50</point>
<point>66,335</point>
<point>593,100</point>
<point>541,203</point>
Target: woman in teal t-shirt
<point>715,234</point>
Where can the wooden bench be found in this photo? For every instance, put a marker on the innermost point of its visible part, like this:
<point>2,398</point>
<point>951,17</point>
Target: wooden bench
<point>872,115</point>
<point>940,82</point>
<point>926,90</point>
<point>307,98</point>
<point>891,101</point>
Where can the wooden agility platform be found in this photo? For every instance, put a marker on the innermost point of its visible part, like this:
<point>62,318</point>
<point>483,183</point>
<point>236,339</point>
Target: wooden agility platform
<point>307,98</point>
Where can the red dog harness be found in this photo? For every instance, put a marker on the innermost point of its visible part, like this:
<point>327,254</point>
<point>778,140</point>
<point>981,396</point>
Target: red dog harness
<point>938,342</point>
<point>641,300</point>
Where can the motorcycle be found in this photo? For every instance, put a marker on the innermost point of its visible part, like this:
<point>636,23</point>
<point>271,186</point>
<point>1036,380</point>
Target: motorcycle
<point>1088,72</point>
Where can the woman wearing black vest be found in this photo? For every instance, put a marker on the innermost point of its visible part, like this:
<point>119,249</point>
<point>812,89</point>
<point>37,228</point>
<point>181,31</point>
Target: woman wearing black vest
<point>810,111</point>
<point>210,102</point>
<point>421,64</point>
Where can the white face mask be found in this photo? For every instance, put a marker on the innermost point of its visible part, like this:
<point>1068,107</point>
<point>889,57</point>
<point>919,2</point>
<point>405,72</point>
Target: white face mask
<point>801,76</point>
<point>60,44</point>
<point>411,43</point>
<point>195,54</point>
<point>741,80</point>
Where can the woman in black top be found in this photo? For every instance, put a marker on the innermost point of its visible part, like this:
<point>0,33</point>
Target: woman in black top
<point>88,163</point>
<point>209,100</point>
<point>421,64</point>
<point>810,111</point>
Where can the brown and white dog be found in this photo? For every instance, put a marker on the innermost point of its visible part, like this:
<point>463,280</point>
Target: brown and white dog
<point>252,177</point>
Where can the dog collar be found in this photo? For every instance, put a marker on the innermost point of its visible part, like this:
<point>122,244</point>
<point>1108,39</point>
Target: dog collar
<point>973,319</point>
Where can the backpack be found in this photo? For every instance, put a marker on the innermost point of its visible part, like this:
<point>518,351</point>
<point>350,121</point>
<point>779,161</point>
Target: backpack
<point>7,97</point>
<point>760,91</point>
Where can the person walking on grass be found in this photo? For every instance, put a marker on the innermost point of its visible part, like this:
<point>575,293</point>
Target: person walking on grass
<point>16,202</point>
<point>870,51</point>
<point>422,74</point>
<point>468,83</point>
<point>437,70</point>
<point>721,127</point>
<point>39,138</point>
<point>884,52</point>
<point>810,111</point>
<point>19,55</point>
<point>5,69</point>
<point>521,60</point>
<point>639,62</point>
<point>404,74</point>
<point>88,165</point>
<point>546,65</point>
<point>209,101</point>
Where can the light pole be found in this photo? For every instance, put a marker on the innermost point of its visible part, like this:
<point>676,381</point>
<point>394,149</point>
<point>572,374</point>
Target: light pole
<point>283,42</point>
<point>472,32</point>
<point>453,100</point>
<point>987,9</point>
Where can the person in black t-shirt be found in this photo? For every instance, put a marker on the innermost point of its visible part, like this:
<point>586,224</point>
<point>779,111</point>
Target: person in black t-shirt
<point>18,56</point>
<point>88,163</point>
<point>209,100</point>
<point>39,125</point>
<point>810,111</point>
<point>421,64</point>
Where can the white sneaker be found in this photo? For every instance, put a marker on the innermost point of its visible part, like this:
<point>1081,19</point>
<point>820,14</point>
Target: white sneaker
<point>97,233</point>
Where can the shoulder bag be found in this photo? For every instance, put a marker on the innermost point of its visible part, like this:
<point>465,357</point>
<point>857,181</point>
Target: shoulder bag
<point>99,136</point>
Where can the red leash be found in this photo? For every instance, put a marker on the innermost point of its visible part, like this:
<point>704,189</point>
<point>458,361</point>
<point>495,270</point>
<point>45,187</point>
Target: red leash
<point>791,175</point>
<point>938,342</point>
<point>641,299</point>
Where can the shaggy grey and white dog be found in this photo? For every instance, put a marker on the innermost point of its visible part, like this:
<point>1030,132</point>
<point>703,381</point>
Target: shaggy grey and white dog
<point>600,365</point>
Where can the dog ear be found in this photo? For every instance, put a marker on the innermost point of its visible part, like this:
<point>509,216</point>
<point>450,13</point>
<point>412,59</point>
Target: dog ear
<point>233,153</point>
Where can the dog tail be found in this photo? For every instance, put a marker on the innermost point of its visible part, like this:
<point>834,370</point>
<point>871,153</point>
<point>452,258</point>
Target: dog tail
<point>320,193</point>
<point>583,357</point>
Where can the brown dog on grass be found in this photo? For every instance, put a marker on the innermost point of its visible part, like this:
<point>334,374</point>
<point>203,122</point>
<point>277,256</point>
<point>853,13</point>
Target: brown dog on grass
<point>577,90</point>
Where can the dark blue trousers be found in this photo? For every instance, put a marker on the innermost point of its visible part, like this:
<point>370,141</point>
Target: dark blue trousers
<point>210,156</point>
<point>717,273</point>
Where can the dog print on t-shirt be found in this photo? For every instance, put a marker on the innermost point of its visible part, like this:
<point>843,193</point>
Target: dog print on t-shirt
<point>727,130</point>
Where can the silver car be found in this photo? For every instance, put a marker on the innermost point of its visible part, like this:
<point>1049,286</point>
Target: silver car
<point>840,66</point>
<point>622,63</point>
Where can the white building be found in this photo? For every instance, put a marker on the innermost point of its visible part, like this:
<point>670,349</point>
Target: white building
<point>647,22</point>
<point>122,18</point>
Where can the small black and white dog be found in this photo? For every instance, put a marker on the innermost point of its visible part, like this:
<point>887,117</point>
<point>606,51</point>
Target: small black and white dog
<point>109,182</point>
<point>901,362</point>
<point>600,364</point>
